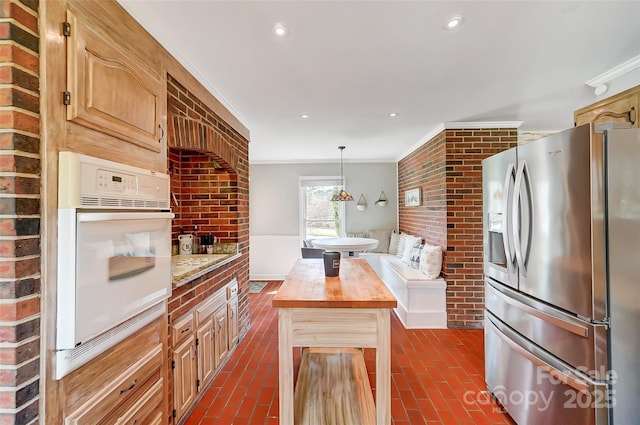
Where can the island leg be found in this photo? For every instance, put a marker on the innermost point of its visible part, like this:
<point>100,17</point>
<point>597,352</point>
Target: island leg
<point>383,368</point>
<point>285,366</point>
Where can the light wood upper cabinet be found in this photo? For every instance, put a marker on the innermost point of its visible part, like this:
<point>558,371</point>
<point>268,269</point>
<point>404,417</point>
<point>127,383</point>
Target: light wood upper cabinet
<point>621,108</point>
<point>109,90</point>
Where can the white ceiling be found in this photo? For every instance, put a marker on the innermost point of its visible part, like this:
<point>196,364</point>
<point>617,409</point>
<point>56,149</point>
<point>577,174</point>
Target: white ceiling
<point>348,64</point>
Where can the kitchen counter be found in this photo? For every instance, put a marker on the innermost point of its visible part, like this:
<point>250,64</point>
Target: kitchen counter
<point>186,268</point>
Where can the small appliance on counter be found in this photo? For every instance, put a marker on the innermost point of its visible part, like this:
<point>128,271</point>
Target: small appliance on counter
<point>206,244</point>
<point>185,244</point>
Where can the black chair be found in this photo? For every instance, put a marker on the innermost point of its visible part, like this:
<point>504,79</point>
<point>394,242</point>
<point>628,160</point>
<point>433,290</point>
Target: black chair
<point>311,252</point>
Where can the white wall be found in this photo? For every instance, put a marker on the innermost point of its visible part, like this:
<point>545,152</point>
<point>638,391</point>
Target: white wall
<point>274,227</point>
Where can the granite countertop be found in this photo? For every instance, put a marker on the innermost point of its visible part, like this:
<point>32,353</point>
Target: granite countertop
<point>186,268</point>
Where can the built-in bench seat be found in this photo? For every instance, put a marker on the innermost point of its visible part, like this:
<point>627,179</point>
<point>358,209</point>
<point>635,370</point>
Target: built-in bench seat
<point>421,301</point>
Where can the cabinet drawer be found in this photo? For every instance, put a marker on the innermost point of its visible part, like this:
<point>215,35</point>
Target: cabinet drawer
<point>209,306</point>
<point>182,328</point>
<point>143,411</point>
<point>232,289</point>
<point>123,392</point>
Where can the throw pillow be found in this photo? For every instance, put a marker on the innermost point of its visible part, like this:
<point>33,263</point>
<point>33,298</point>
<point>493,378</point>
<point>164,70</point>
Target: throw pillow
<point>409,243</point>
<point>415,255</point>
<point>393,243</point>
<point>430,261</point>
<point>401,241</point>
<point>383,239</point>
<point>357,235</point>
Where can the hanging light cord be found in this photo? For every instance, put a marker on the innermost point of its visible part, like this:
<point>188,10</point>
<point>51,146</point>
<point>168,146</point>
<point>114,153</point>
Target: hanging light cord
<point>341,175</point>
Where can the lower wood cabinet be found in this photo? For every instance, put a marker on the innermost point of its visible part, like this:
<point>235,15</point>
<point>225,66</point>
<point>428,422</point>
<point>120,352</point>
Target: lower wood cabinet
<point>184,376</point>
<point>206,351</point>
<point>222,341</point>
<point>232,313</point>
<point>202,341</point>
<point>134,396</point>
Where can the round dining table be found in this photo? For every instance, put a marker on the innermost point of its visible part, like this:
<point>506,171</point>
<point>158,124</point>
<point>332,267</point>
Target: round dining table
<point>352,246</point>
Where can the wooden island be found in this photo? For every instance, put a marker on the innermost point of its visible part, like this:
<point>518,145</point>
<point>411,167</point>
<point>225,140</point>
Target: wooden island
<point>350,311</point>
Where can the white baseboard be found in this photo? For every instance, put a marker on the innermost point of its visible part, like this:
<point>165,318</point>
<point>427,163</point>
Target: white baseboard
<point>422,319</point>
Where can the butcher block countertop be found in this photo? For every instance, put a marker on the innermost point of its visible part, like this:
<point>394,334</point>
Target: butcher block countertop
<point>357,286</point>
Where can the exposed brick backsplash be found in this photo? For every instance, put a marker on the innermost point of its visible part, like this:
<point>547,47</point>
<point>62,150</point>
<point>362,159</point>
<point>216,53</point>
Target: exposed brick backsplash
<point>448,171</point>
<point>19,212</point>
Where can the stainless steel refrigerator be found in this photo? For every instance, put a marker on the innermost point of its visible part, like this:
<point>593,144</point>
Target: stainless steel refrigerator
<point>562,278</point>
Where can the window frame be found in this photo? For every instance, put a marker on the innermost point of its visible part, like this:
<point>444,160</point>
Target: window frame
<point>302,208</point>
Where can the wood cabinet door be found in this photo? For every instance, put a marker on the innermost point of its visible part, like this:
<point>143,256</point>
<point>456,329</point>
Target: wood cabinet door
<point>109,90</point>
<point>232,317</point>
<point>621,108</point>
<point>221,338</point>
<point>184,376</point>
<point>206,353</point>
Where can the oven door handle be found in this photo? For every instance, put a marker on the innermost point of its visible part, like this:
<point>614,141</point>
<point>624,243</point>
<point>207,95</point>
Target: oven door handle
<point>112,216</point>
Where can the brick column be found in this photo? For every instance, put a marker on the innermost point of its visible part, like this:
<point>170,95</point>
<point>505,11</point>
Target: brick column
<point>448,170</point>
<point>19,212</point>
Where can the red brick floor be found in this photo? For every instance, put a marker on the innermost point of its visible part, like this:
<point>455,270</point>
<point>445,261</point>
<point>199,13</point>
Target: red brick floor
<point>437,376</point>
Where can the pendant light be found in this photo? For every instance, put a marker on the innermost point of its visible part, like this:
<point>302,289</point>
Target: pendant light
<point>341,195</point>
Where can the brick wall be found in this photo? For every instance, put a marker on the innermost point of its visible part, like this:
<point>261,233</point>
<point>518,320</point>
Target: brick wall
<point>206,195</point>
<point>209,166</point>
<point>448,170</point>
<point>425,169</point>
<point>20,206</point>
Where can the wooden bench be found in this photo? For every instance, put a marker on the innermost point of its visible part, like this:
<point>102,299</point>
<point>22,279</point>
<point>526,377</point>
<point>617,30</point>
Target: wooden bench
<point>422,302</point>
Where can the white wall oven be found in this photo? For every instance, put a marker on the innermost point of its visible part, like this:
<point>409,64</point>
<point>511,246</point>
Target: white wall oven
<point>114,255</point>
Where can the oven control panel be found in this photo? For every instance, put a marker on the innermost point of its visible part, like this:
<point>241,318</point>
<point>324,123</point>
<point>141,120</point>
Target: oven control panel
<point>108,181</point>
<point>89,182</point>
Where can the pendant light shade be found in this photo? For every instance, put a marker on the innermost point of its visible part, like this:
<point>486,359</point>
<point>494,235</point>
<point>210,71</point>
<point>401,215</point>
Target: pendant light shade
<point>341,195</point>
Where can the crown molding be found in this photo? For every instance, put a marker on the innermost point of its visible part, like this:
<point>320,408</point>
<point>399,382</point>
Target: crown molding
<point>459,125</point>
<point>470,125</point>
<point>614,72</point>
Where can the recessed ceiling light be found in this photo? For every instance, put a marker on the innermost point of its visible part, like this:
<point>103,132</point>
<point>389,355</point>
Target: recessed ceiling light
<point>454,22</point>
<point>393,114</point>
<point>304,115</point>
<point>280,30</point>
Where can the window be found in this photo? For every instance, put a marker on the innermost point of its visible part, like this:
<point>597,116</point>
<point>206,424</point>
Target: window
<point>319,216</point>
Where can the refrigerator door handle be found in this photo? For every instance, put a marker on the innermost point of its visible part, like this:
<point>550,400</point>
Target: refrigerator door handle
<point>543,365</point>
<point>520,302</point>
<point>508,247</point>
<point>522,217</point>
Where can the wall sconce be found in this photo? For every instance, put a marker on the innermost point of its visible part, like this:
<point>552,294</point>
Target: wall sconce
<point>362,203</point>
<point>382,200</point>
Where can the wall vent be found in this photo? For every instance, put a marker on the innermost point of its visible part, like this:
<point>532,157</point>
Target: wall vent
<point>69,360</point>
